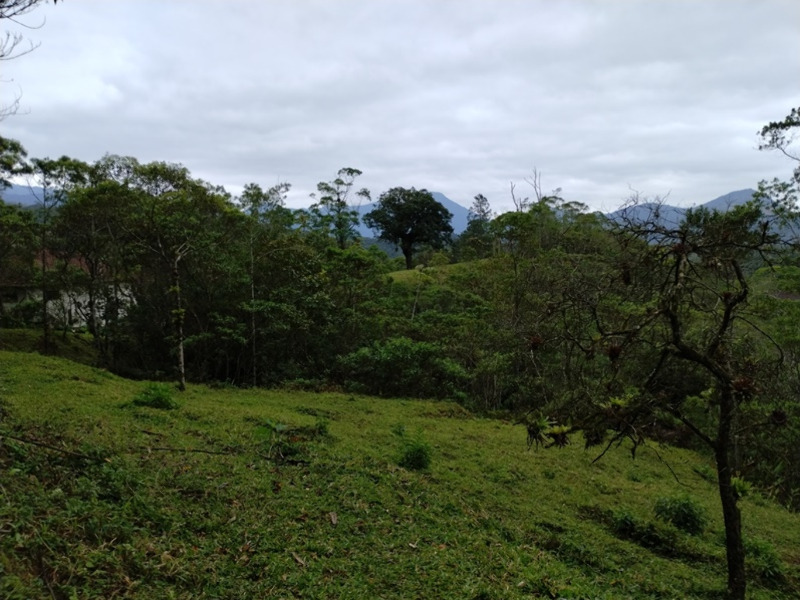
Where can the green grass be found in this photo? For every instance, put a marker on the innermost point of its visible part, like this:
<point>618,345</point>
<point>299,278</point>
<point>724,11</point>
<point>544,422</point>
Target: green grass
<point>74,346</point>
<point>438,273</point>
<point>264,494</point>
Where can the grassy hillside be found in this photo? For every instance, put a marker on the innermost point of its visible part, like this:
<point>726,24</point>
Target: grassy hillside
<point>256,494</point>
<point>74,346</point>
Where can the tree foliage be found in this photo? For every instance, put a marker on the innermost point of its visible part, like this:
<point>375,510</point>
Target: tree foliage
<point>780,136</point>
<point>409,218</point>
<point>333,213</point>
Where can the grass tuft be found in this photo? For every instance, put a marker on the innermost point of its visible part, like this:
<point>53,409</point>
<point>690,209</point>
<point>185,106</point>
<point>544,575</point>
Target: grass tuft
<point>683,512</point>
<point>156,395</point>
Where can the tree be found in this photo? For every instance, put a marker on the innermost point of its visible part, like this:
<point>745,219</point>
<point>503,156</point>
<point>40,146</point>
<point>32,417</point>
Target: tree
<point>12,161</point>
<point>12,10</point>
<point>88,232</point>
<point>780,136</point>
<point>668,317</point>
<point>333,212</point>
<point>17,247</point>
<point>174,216</point>
<point>476,240</point>
<point>265,210</point>
<point>408,218</point>
<point>55,178</point>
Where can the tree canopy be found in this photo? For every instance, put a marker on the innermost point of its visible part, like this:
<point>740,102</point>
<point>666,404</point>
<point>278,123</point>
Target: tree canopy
<point>409,218</point>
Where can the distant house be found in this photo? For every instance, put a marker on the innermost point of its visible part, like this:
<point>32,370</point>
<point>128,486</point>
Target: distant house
<point>68,306</point>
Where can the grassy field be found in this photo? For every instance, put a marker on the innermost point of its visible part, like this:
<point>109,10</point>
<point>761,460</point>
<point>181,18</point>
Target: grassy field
<point>263,494</point>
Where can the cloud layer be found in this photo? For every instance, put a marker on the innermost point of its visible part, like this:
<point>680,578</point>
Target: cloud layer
<point>462,97</point>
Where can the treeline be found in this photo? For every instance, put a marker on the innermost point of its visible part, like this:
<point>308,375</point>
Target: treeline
<point>173,277</point>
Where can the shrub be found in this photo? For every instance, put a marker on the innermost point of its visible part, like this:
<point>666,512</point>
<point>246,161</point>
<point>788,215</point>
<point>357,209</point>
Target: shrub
<point>415,454</point>
<point>156,395</point>
<point>683,512</point>
<point>624,524</point>
<point>648,535</point>
<point>741,487</point>
<point>706,473</point>
<point>402,367</point>
<point>763,561</point>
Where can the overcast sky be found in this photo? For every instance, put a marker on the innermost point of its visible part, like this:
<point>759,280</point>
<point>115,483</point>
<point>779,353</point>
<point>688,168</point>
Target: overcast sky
<point>461,97</point>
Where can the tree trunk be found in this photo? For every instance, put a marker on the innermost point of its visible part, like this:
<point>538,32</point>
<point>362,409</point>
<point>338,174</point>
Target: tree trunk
<point>734,545</point>
<point>92,324</point>
<point>179,325</point>
<point>45,314</point>
<point>406,249</point>
<point>253,337</point>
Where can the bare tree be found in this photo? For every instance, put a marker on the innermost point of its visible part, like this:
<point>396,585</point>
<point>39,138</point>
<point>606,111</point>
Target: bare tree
<point>12,43</point>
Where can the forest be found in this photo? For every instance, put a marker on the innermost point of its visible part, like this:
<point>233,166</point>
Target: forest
<point>624,330</point>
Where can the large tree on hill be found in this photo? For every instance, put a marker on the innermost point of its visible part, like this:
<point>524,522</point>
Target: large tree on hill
<point>174,217</point>
<point>267,219</point>
<point>408,218</point>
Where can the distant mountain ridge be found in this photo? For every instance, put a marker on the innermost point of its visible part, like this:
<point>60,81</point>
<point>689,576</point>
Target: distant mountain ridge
<point>21,195</point>
<point>667,214</point>
<point>26,196</point>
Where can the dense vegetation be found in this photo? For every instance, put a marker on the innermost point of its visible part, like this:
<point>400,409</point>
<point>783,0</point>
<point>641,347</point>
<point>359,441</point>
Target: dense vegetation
<point>624,331</point>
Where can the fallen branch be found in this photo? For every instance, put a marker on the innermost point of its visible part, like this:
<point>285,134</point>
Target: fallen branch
<point>185,450</point>
<point>50,447</point>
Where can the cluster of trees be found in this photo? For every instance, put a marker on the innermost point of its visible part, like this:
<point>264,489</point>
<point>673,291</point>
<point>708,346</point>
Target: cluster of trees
<point>172,275</point>
<point>624,330</point>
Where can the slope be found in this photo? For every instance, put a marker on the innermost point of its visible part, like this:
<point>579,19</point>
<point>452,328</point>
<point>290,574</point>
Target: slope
<point>251,493</point>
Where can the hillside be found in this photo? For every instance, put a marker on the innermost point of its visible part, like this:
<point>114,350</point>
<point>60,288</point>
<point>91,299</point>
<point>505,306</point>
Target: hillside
<point>22,195</point>
<point>256,494</point>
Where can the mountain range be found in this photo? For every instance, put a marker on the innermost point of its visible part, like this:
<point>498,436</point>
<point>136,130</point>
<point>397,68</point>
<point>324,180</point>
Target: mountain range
<point>672,215</point>
<point>21,195</point>
<point>668,214</point>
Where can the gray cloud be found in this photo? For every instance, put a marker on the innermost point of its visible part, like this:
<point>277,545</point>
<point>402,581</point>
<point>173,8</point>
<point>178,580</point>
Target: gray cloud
<point>456,96</point>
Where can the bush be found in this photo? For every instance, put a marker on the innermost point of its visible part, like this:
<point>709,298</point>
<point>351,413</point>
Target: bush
<point>648,535</point>
<point>683,512</point>
<point>156,395</point>
<point>763,561</point>
<point>402,367</point>
<point>415,454</point>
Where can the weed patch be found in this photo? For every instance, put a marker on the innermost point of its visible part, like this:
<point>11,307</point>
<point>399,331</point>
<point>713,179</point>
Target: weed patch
<point>156,395</point>
<point>683,512</point>
<point>763,562</point>
<point>291,444</point>
<point>415,452</point>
